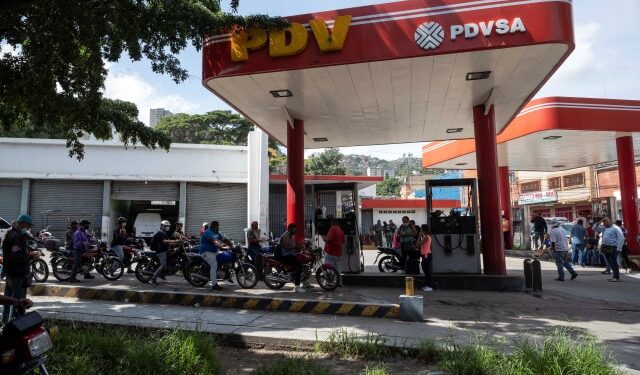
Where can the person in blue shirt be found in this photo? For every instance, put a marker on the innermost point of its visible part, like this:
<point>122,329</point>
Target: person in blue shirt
<point>210,244</point>
<point>612,242</point>
<point>578,240</point>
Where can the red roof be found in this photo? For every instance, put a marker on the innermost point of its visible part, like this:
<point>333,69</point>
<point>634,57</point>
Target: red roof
<point>409,203</point>
<point>282,177</point>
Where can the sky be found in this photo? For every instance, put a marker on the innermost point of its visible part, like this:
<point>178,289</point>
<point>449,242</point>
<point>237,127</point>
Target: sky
<point>604,64</point>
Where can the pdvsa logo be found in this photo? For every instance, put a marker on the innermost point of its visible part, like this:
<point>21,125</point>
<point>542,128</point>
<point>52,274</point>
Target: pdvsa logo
<point>430,35</point>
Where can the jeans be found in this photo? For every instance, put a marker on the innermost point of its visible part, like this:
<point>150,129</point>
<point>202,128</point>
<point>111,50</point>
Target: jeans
<point>388,237</point>
<point>297,267</point>
<point>538,236</point>
<point>15,287</point>
<point>212,261</point>
<point>562,262</point>
<point>332,260</point>
<point>162,257</point>
<point>426,268</point>
<point>578,254</point>
<point>77,262</point>
<point>613,262</point>
<point>118,249</point>
<point>253,252</point>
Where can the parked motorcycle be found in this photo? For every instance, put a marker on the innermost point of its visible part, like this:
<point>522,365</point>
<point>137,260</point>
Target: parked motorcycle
<point>132,253</point>
<point>390,262</point>
<point>23,344</point>
<point>177,260</point>
<point>95,257</point>
<point>230,262</point>
<point>277,274</point>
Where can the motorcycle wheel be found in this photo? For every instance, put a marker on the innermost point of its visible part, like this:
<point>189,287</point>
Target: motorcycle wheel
<point>62,269</point>
<point>112,268</point>
<point>386,264</point>
<point>197,268</point>
<point>273,271</point>
<point>40,270</point>
<point>247,275</point>
<point>98,264</point>
<point>328,278</point>
<point>145,270</point>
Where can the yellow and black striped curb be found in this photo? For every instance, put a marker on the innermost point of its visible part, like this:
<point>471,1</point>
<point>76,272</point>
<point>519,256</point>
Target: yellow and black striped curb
<point>391,311</point>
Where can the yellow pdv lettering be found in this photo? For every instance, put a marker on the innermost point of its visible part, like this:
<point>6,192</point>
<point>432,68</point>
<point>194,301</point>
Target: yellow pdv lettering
<point>331,41</point>
<point>245,40</point>
<point>289,41</point>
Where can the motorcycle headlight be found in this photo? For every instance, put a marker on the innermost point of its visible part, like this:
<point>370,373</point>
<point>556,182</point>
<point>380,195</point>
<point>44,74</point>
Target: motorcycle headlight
<point>39,344</point>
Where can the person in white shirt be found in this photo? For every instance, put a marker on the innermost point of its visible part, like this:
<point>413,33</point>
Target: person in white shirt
<point>560,248</point>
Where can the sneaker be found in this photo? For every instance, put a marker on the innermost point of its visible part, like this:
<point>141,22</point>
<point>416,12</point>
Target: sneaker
<point>427,289</point>
<point>559,279</point>
<point>605,273</point>
<point>298,289</point>
<point>216,287</point>
<point>574,276</point>
<point>614,280</point>
<point>154,282</point>
<point>89,277</point>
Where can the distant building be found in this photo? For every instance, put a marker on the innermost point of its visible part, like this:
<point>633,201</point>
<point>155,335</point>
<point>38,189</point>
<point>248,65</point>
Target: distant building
<point>379,172</point>
<point>155,114</point>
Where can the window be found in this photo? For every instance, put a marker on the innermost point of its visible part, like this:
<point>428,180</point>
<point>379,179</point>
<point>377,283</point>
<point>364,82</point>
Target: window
<point>554,183</point>
<point>530,187</point>
<point>573,180</point>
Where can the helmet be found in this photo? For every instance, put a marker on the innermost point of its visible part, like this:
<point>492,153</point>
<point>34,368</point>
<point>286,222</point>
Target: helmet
<point>84,222</point>
<point>165,222</point>
<point>73,222</point>
<point>205,224</point>
<point>165,225</point>
<point>121,220</point>
<point>25,219</point>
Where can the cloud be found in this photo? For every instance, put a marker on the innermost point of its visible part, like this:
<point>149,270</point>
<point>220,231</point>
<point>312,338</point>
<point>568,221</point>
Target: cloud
<point>132,88</point>
<point>583,57</point>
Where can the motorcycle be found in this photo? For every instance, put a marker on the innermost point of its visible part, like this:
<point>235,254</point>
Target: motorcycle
<point>23,344</point>
<point>390,262</point>
<point>95,257</point>
<point>132,253</point>
<point>39,267</point>
<point>230,262</point>
<point>177,260</point>
<point>277,274</point>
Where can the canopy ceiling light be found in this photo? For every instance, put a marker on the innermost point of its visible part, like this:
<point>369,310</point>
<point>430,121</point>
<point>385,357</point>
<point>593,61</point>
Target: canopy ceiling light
<point>559,166</point>
<point>454,130</point>
<point>281,93</point>
<point>474,76</point>
<point>461,164</point>
<point>320,139</point>
<point>552,137</point>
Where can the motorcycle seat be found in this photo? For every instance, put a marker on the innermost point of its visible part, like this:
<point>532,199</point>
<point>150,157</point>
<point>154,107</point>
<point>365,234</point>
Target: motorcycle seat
<point>89,254</point>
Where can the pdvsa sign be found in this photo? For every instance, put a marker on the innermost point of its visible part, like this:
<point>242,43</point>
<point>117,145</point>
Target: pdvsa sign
<point>430,35</point>
<point>292,40</point>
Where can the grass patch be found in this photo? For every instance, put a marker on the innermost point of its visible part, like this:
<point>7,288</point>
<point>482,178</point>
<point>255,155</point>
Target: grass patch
<point>102,349</point>
<point>292,366</point>
<point>377,369</point>
<point>343,343</point>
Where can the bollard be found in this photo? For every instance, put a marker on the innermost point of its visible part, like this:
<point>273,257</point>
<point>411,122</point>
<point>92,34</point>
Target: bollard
<point>528,274</point>
<point>408,286</point>
<point>536,276</point>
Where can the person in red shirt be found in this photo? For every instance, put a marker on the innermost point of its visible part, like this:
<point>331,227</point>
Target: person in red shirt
<point>333,242</point>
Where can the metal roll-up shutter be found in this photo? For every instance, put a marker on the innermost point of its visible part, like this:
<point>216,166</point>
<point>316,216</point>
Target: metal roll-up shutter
<point>277,209</point>
<point>141,191</point>
<point>327,200</point>
<point>57,202</point>
<point>225,203</point>
<point>367,220</point>
<point>10,194</point>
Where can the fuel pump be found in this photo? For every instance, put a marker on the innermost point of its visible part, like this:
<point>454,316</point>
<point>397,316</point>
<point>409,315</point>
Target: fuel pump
<point>455,241</point>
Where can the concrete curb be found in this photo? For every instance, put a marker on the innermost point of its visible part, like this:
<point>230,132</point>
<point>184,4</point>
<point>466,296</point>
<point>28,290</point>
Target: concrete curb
<point>370,310</point>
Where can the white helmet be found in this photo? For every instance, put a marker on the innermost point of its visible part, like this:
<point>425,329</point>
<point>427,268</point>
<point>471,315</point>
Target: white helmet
<point>205,224</point>
<point>165,225</point>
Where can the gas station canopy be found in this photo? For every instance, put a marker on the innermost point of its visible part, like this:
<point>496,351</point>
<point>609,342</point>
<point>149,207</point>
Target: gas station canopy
<point>550,134</point>
<point>399,72</point>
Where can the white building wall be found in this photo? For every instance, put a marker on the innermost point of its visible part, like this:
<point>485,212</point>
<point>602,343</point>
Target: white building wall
<point>48,159</point>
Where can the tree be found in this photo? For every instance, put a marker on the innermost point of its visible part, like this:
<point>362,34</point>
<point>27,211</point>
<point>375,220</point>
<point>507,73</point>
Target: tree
<point>328,162</point>
<point>215,127</point>
<point>53,80</point>
<point>389,187</point>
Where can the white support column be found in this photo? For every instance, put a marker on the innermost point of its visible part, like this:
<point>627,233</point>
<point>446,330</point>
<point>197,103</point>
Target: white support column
<point>182,204</point>
<point>258,181</point>
<point>24,198</point>
<point>106,211</point>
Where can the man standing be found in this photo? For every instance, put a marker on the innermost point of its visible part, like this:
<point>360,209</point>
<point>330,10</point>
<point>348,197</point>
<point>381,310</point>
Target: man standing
<point>178,234</point>
<point>80,245</point>
<point>407,236</point>
<point>160,244</point>
<point>506,230</point>
<point>120,238</point>
<point>253,241</point>
<point>377,229</point>
<point>289,255</point>
<point>388,234</point>
<point>68,236</point>
<point>539,229</point>
<point>578,239</point>
<point>612,242</point>
<point>16,261</point>
<point>560,247</point>
<point>333,242</point>
<point>210,243</point>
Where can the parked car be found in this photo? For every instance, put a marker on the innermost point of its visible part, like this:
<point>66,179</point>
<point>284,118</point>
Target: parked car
<point>146,224</point>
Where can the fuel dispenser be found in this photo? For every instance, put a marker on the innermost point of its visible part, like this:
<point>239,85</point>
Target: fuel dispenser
<point>455,241</point>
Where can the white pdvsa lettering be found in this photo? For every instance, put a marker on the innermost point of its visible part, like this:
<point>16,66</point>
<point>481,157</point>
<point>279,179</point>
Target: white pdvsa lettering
<point>501,27</point>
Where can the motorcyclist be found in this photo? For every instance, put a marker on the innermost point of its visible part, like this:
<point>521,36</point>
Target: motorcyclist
<point>120,238</point>
<point>289,252</point>
<point>68,235</point>
<point>178,234</point>
<point>210,242</point>
<point>81,243</point>
<point>160,243</point>
<point>16,261</point>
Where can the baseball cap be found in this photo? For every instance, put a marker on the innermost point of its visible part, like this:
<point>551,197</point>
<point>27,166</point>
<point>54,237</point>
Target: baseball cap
<point>25,219</point>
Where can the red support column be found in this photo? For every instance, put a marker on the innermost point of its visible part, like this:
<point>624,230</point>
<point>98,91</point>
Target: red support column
<point>488,191</point>
<point>628,191</point>
<point>295,177</point>
<point>505,202</point>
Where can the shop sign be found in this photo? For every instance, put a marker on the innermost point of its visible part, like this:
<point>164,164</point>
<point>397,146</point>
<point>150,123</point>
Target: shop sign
<point>538,197</point>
